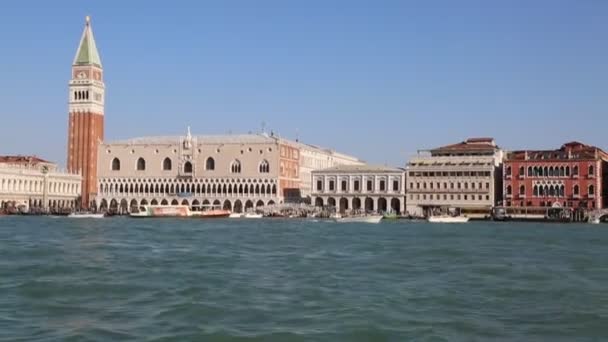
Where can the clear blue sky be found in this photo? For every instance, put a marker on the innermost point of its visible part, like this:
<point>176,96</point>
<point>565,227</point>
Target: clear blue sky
<point>378,79</point>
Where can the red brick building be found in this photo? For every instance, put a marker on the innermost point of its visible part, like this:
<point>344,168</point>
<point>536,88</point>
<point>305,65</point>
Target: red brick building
<point>574,176</point>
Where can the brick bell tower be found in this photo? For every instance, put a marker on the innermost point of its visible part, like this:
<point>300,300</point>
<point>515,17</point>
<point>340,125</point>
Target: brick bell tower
<point>86,112</point>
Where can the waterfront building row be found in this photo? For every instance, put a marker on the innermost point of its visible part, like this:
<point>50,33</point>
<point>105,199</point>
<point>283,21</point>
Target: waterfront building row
<point>261,168</point>
<point>28,182</point>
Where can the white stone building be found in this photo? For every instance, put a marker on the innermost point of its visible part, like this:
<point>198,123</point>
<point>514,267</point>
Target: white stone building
<point>360,188</point>
<point>463,176</point>
<point>30,182</point>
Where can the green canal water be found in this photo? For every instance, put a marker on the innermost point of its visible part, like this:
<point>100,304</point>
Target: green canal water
<point>121,279</point>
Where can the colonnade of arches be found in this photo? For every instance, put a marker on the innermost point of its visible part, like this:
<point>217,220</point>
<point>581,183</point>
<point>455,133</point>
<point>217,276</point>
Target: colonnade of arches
<point>38,203</point>
<point>125,205</point>
<point>367,204</point>
<point>222,188</point>
<point>550,190</point>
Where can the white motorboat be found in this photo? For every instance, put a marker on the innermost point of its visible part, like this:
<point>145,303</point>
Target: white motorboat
<point>162,211</point>
<point>86,215</point>
<point>253,216</point>
<point>448,219</point>
<point>595,220</point>
<point>358,219</point>
<point>236,215</point>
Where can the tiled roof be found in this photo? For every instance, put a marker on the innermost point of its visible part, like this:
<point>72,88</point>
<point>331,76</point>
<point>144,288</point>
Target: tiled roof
<point>21,160</point>
<point>209,139</point>
<point>469,145</point>
<point>570,150</point>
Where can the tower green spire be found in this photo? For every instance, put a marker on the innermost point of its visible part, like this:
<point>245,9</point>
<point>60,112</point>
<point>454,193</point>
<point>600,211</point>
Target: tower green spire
<point>87,50</point>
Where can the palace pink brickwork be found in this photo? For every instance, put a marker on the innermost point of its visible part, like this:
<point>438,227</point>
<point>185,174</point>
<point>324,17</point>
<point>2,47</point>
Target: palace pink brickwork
<point>574,176</point>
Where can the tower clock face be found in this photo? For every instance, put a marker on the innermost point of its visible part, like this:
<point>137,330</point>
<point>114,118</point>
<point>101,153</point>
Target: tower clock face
<point>81,74</point>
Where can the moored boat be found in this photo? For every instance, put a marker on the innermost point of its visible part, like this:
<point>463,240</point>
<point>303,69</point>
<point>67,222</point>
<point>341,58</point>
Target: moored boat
<point>448,219</point>
<point>253,216</point>
<point>86,215</point>
<point>162,211</point>
<point>374,219</point>
<point>213,213</point>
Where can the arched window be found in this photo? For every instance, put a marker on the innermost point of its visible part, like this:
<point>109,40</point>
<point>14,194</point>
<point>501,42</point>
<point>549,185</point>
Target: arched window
<point>551,171</point>
<point>522,190</point>
<point>521,171</point>
<point>210,164</point>
<point>591,190</point>
<point>551,191</point>
<point>575,170</point>
<point>141,164</point>
<point>188,167</point>
<point>508,172</point>
<point>264,166</point>
<point>567,171</point>
<point>576,190</point>
<point>546,171</point>
<point>509,190</point>
<point>535,189</point>
<point>561,191</point>
<point>530,174</point>
<point>115,164</point>
<point>167,164</point>
<point>591,170</point>
<point>235,166</point>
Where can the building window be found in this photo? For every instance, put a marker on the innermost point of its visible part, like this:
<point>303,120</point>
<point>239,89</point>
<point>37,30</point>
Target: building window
<point>522,190</point>
<point>535,190</point>
<point>567,171</point>
<point>235,166</point>
<point>370,185</point>
<point>530,171</point>
<point>264,166</point>
<point>509,190</point>
<point>115,164</point>
<point>411,185</point>
<point>210,164</point>
<point>575,170</point>
<point>508,171</point>
<point>319,185</point>
<point>343,185</point>
<point>591,190</point>
<point>332,185</point>
<point>357,186</point>
<point>590,170</point>
<point>382,185</point>
<point>521,171</point>
<point>576,190</point>
<point>395,185</point>
<point>141,164</point>
<point>188,167</point>
<point>167,164</point>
